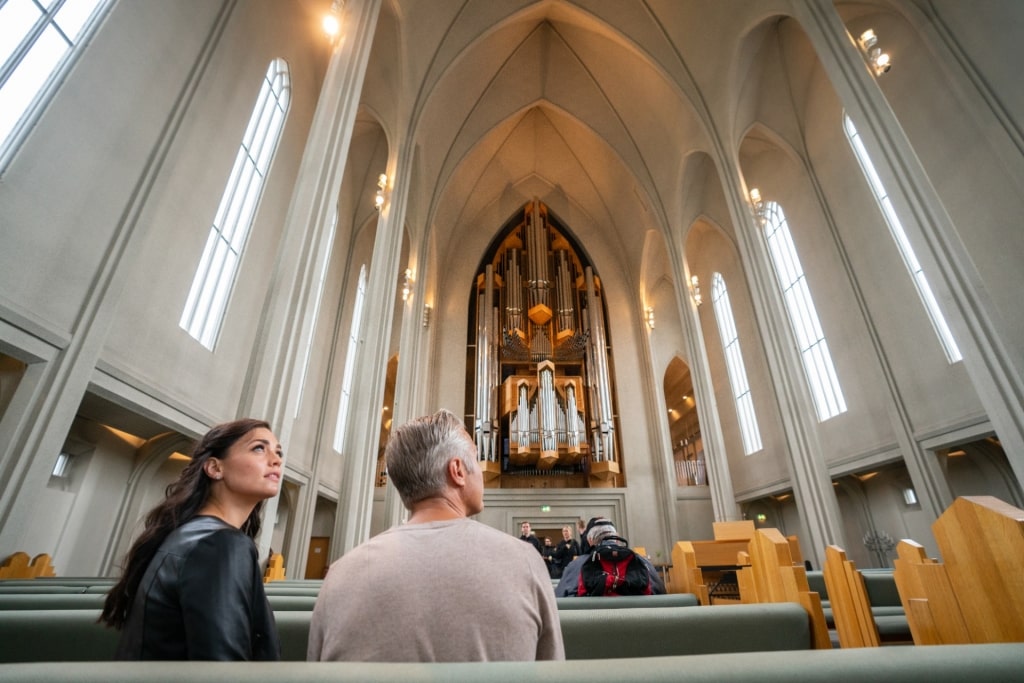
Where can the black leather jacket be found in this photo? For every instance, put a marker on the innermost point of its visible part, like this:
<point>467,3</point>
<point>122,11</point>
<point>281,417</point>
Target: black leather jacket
<point>201,598</point>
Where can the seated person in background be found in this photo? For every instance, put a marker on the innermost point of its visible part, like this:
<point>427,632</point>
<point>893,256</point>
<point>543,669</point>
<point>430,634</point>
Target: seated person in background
<point>611,567</point>
<point>530,538</point>
<point>441,587</point>
<point>565,552</point>
<point>548,553</point>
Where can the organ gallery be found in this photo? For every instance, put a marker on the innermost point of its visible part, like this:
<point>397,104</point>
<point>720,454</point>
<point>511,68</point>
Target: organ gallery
<point>542,392</point>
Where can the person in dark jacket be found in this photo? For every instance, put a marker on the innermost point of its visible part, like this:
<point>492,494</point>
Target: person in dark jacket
<point>529,537</point>
<point>192,586</point>
<point>565,552</point>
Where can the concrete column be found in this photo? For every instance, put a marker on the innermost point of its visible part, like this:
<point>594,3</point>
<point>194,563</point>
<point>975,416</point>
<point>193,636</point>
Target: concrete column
<point>812,485</point>
<point>272,384</point>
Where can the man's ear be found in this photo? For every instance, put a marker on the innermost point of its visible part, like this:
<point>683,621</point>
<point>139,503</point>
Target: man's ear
<point>457,471</point>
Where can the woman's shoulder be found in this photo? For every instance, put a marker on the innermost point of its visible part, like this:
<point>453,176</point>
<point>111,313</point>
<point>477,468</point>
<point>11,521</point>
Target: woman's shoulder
<point>205,534</point>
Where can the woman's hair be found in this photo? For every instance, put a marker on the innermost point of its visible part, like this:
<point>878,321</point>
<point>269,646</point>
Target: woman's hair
<point>418,452</point>
<point>184,498</point>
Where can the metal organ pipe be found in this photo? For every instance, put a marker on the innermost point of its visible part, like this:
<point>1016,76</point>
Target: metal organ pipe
<point>547,402</point>
<point>563,292</point>
<point>537,248</point>
<point>604,438</point>
<point>513,291</point>
<point>485,358</point>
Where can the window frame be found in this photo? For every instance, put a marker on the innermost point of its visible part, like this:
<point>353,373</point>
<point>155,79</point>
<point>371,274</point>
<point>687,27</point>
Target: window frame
<point>819,368</point>
<point>214,282</point>
<point>47,86</point>
<point>931,305</point>
<point>739,383</point>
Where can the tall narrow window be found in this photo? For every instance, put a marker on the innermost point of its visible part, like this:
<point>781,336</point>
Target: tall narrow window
<point>821,373</point>
<point>350,362</point>
<point>931,306</point>
<point>215,277</point>
<point>734,364</point>
<point>316,308</point>
<point>39,41</point>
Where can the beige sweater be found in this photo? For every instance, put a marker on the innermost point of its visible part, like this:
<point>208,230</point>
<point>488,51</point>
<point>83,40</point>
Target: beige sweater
<point>439,592</point>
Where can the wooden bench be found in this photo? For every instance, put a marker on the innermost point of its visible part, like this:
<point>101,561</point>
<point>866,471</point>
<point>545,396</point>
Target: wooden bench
<point>773,577</point>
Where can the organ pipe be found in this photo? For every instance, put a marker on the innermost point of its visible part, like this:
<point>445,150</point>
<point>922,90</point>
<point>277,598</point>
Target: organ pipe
<point>485,358</point>
<point>604,436</point>
<point>537,252</point>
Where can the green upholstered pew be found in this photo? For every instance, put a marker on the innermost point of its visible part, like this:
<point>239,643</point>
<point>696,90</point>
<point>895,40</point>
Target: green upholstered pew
<point>624,601</point>
<point>74,635</point>
<point>287,601</point>
<point>934,664</point>
<point>886,608</point>
<point>641,632</point>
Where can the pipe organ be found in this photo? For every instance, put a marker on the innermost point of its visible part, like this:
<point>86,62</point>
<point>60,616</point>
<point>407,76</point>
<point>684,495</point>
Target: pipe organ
<point>542,391</point>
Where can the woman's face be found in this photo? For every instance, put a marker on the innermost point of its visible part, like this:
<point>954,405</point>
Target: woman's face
<point>251,467</point>
<point>566,534</point>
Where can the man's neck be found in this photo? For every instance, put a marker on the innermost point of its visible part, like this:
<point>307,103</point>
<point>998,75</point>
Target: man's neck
<point>439,509</point>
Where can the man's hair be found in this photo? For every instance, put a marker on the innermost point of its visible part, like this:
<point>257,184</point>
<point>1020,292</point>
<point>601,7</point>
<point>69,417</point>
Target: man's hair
<point>600,528</point>
<point>418,453</point>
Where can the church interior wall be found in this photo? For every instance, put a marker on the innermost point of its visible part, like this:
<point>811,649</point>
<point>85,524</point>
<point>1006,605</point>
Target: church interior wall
<point>115,132</point>
<point>694,514</point>
<point>976,185</point>
<point>708,247</point>
<point>64,197</point>
<point>145,340</point>
<point>989,34</point>
<point>915,357</point>
<point>865,423</point>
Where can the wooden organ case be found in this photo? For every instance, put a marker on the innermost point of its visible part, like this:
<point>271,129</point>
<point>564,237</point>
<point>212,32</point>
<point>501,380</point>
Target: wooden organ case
<point>543,410</point>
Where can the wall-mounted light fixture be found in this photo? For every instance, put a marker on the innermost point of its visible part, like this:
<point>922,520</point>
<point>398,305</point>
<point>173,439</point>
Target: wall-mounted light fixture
<point>382,183</point>
<point>757,204</point>
<point>427,310</point>
<point>695,290</point>
<point>332,20</point>
<point>878,60</point>
<point>649,316</point>
<point>407,284</point>
<point>761,518</point>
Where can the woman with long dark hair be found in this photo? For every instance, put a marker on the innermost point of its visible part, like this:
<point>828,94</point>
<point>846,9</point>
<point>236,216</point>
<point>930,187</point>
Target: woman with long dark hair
<point>192,587</point>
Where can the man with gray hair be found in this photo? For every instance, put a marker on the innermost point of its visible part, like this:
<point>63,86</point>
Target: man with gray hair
<point>441,587</point>
<point>609,567</point>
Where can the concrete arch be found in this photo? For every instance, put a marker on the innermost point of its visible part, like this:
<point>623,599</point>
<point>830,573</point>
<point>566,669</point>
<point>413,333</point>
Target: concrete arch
<point>150,457</point>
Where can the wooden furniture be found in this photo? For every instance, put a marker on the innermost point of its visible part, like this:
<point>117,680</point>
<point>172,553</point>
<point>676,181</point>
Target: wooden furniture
<point>18,566</point>
<point>275,568</point>
<point>773,577</point>
<point>698,565</point>
<point>976,594</point>
<point>851,608</point>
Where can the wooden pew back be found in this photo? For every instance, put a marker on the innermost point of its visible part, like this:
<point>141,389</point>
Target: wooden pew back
<point>18,566</point>
<point>773,577</point>
<point>848,598</point>
<point>976,594</point>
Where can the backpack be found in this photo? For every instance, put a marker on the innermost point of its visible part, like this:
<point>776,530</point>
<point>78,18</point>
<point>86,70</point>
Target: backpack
<point>614,569</point>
